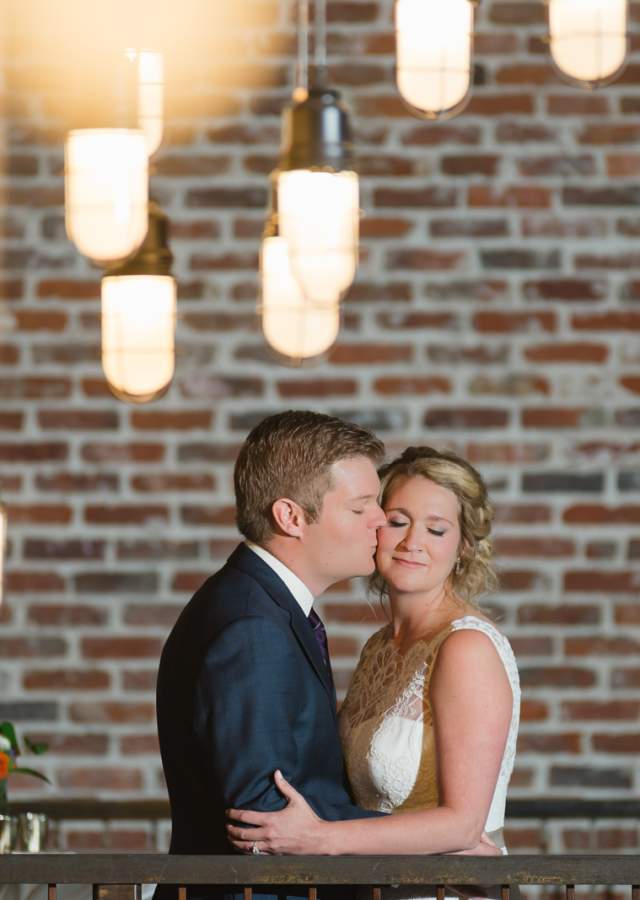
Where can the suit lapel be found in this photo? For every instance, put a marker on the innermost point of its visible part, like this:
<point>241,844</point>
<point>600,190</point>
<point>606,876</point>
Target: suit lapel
<point>247,561</point>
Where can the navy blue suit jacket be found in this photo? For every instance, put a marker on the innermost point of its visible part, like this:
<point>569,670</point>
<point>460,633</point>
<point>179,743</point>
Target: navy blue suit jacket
<point>242,691</point>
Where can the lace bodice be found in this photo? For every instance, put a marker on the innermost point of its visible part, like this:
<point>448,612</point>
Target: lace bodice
<point>386,726</point>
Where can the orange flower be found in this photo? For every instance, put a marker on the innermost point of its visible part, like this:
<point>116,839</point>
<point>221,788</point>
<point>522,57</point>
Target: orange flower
<point>4,765</point>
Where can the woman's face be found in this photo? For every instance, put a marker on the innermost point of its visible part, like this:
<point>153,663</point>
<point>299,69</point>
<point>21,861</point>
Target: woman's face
<point>420,541</point>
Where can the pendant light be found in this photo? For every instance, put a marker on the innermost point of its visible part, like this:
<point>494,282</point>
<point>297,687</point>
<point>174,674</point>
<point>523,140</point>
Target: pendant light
<point>138,318</point>
<point>588,39</point>
<point>434,55</point>
<point>106,191</point>
<point>150,95</point>
<point>317,187</point>
<point>295,327</point>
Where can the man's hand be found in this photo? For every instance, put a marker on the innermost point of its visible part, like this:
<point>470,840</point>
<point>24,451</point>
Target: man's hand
<point>486,847</point>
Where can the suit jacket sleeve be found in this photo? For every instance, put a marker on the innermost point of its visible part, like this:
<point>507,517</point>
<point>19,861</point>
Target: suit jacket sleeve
<point>246,708</point>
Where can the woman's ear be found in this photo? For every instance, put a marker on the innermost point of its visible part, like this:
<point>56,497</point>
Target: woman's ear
<point>288,517</point>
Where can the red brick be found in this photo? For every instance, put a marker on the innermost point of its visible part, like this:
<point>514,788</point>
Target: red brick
<point>500,105</point>
<point>526,514</point>
<point>33,582</point>
<point>567,353</point>
<point>379,227</point>
<point>177,420</point>
<point>631,383</point>
<point>600,710</point>
<point>317,387</point>
<point>136,744</point>
<point>62,744</point>
<point>40,320</point>
<point>575,104</point>
<point>506,453</point>
<point>114,453</point>
<point>208,515</point>
<point>34,453</point>
<point>616,743</point>
<point>11,421</point>
<point>550,743</point>
<point>40,514</point>
<point>516,12</point>
<point>516,196</point>
<point>153,614</point>
<point>618,320</point>
<point>509,386</point>
<point>597,646</point>
<point>426,198</point>
<point>125,515</point>
<point>121,648</point>
<point>533,711</point>
<point>69,289</point>
<point>389,385</point>
<point>106,778</point>
<point>68,615</point>
<point>161,482</point>
<point>463,418</point>
<point>530,546</point>
<point>561,614</point>
<point>77,482</point>
<point>359,354</point>
<point>17,647</point>
<point>503,322</point>
<point>552,418</point>
<point>470,164</point>
<point>66,679</point>
<point>35,388</point>
<point>595,514</point>
<point>78,420</point>
<point>615,582</point>
<point>139,680</point>
<point>525,74</point>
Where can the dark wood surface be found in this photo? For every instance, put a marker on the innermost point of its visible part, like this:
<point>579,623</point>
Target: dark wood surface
<point>122,868</point>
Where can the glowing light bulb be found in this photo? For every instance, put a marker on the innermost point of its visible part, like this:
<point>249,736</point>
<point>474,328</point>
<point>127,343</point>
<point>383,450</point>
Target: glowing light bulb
<point>318,216</point>
<point>293,325</point>
<point>138,334</point>
<point>588,39</point>
<point>434,50</point>
<point>151,98</point>
<point>106,192</point>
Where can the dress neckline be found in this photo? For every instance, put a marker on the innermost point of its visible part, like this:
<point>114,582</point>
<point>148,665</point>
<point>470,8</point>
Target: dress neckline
<point>434,637</point>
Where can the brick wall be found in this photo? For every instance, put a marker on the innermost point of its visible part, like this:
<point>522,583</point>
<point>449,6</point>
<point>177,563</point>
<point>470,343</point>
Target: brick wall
<point>496,311</point>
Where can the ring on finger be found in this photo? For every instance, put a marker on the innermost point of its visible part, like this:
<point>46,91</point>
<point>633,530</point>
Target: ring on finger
<point>254,848</point>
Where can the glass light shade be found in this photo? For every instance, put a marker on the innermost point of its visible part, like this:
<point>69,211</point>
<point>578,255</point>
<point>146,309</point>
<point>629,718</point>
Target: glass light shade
<point>3,546</point>
<point>293,325</point>
<point>588,38</point>
<point>319,218</point>
<point>434,55</point>
<point>151,98</point>
<point>138,334</point>
<point>106,191</point>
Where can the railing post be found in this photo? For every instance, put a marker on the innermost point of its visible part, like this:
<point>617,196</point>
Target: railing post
<point>116,892</point>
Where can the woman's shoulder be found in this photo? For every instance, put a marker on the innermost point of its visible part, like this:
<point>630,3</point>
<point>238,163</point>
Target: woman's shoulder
<point>468,634</point>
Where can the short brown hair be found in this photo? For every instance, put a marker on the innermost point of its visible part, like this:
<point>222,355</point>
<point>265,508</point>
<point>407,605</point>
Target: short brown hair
<point>290,454</point>
<point>474,575</point>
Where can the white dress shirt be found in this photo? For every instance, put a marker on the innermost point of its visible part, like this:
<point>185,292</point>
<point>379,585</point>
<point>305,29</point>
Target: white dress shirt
<point>298,588</point>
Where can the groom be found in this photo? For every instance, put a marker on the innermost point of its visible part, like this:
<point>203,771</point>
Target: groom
<point>245,685</point>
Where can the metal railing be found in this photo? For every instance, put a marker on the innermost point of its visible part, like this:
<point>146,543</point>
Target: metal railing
<point>120,875</point>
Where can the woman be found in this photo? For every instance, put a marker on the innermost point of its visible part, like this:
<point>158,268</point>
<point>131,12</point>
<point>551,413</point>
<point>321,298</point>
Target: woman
<point>430,721</point>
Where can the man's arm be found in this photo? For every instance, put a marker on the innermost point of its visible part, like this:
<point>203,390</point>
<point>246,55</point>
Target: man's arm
<point>248,700</point>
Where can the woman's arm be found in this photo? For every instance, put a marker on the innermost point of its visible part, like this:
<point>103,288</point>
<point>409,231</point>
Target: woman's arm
<point>471,704</point>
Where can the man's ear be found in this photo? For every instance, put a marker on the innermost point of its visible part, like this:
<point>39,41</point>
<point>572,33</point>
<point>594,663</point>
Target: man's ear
<point>288,517</point>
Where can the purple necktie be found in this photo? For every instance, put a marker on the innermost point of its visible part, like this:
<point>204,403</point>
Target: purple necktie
<point>320,635</point>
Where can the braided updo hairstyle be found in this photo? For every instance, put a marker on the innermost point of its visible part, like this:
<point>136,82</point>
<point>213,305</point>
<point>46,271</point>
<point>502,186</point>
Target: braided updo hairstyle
<point>474,574</point>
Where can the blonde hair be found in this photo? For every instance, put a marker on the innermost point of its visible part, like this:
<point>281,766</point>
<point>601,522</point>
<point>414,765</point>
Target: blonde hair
<point>474,574</point>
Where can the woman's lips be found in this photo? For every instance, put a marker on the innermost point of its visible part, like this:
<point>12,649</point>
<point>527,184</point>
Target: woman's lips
<point>409,563</point>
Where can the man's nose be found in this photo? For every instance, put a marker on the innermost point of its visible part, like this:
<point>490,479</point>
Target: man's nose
<point>379,517</point>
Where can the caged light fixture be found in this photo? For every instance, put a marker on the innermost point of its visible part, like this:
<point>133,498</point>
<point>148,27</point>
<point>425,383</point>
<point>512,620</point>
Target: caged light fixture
<point>588,39</point>
<point>138,318</point>
<point>434,55</point>
<point>310,247</point>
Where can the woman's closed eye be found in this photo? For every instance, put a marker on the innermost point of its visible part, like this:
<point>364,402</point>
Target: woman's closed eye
<point>436,532</point>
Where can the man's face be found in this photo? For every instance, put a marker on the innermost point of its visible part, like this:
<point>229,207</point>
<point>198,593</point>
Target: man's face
<point>342,543</point>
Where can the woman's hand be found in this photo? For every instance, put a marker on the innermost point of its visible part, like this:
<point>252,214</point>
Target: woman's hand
<point>294,829</point>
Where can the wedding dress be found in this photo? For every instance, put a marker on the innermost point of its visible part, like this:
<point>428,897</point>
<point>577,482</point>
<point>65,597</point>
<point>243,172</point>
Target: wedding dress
<point>387,730</point>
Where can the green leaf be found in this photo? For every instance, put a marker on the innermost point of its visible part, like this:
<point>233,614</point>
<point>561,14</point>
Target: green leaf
<point>35,748</point>
<point>7,729</point>
<point>24,771</point>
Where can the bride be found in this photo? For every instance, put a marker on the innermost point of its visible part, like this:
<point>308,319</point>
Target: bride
<point>430,721</point>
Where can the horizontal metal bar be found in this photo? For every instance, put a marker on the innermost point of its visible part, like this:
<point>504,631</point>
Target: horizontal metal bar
<point>535,808</point>
<point>122,868</point>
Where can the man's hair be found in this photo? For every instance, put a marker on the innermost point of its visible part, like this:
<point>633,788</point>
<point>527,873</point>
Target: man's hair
<point>290,454</point>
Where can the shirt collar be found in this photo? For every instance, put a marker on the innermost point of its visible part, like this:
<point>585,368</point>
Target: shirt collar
<point>298,588</point>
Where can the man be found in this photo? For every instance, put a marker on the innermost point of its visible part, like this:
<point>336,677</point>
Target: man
<point>244,685</point>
